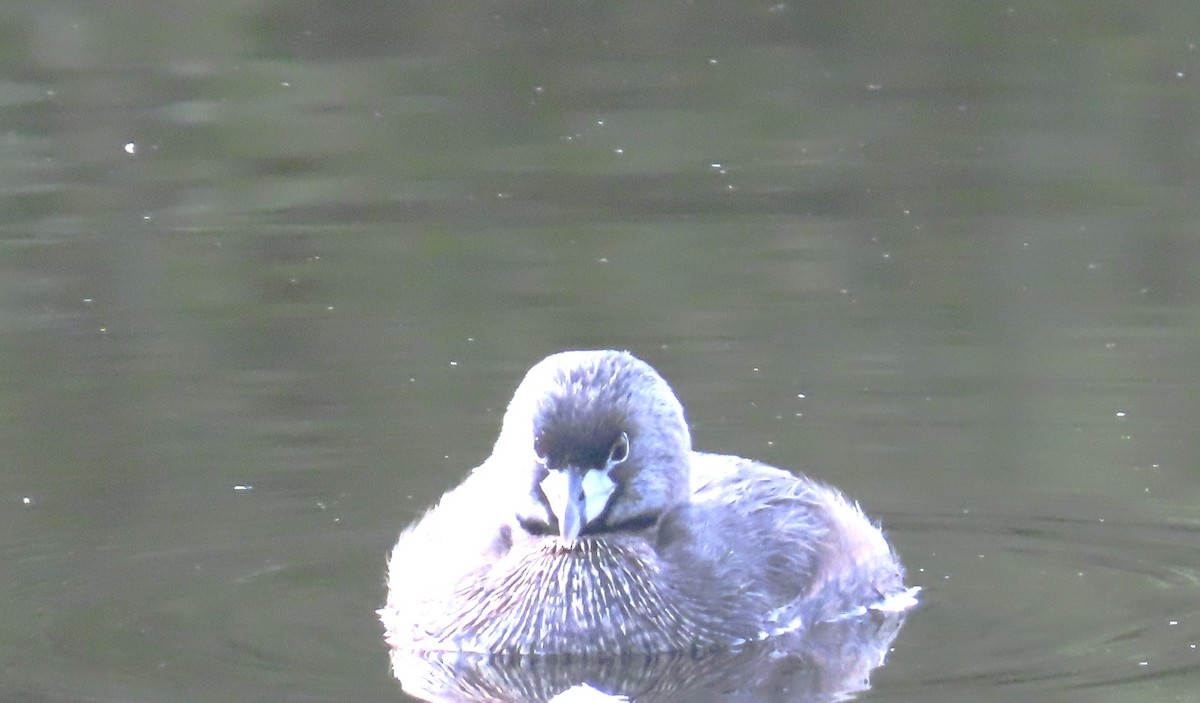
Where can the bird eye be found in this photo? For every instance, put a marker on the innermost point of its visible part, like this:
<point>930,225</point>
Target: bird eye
<point>619,451</point>
<point>539,451</point>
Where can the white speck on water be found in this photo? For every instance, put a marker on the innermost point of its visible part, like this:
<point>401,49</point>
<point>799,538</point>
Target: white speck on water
<point>1120,413</point>
<point>618,150</point>
<point>26,500</point>
<point>243,487</point>
<point>131,148</point>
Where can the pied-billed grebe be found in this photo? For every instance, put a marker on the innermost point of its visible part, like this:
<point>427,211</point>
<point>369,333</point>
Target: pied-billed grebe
<point>594,528</point>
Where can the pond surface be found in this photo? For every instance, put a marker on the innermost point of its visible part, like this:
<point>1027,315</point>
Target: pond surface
<point>269,272</point>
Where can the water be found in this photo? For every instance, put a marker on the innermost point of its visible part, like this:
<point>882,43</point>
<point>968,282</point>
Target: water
<point>270,271</point>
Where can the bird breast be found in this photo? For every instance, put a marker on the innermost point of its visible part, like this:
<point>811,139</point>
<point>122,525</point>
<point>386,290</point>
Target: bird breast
<point>595,595</point>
